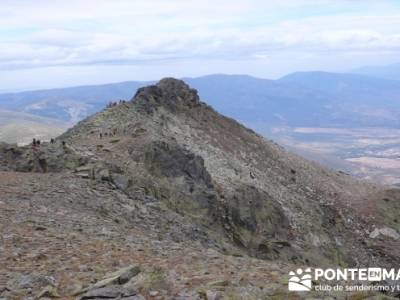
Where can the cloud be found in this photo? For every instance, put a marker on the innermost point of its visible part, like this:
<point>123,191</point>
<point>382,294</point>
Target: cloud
<point>44,33</point>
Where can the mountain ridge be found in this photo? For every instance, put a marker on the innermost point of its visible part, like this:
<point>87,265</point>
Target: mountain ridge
<point>391,71</point>
<point>168,169</point>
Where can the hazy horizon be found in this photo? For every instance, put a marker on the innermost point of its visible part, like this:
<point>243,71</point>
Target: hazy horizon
<point>38,88</point>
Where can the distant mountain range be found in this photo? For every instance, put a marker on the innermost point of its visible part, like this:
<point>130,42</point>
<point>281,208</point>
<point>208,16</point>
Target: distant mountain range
<point>389,71</point>
<point>299,99</point>
<point>67,104</point>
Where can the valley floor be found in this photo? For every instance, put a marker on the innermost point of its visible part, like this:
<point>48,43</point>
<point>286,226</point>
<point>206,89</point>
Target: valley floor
<point>368,153</point>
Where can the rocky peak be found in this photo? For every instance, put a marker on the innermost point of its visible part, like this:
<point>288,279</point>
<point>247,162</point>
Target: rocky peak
<point>150,187</point>
<point>170,93</point>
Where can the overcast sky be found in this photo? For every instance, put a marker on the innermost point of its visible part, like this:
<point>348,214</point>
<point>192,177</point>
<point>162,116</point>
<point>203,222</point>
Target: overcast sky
<point>51,43</point>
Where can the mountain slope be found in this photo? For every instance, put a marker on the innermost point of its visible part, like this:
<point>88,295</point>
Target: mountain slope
<point>165,173</point>
<point>348,87</point>
<point>388,71</point>
<point>20,128</point>
<point>68,104</point>
<point>353,100</point>
<point>253,100</point>
<point>254,191</point>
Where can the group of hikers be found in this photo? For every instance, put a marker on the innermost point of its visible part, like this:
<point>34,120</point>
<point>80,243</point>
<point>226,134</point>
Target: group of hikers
<point>113,132</point>
<point>36,143</point>
<point>115,103</point>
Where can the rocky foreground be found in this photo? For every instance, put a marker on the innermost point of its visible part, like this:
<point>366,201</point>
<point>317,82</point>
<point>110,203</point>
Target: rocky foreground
<point>61,235</point>
<point>163,198</point>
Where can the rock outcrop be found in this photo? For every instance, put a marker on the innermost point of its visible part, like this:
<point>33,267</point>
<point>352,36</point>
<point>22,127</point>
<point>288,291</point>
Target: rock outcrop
<point>174,95</point>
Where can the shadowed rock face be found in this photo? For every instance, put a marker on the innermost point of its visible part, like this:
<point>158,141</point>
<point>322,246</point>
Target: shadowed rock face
<point>191,186</point>
<point>46,158</point>
<point>164,159</point>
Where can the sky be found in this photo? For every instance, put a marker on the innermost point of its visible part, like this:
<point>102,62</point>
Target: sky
<point>53,43</point>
